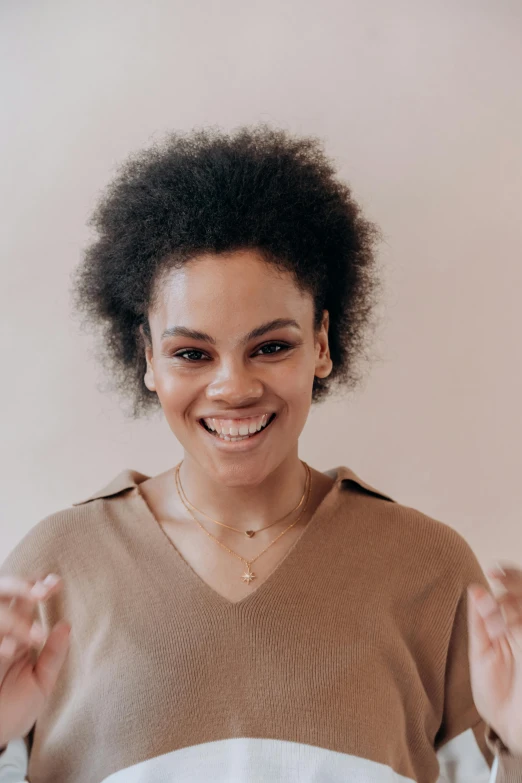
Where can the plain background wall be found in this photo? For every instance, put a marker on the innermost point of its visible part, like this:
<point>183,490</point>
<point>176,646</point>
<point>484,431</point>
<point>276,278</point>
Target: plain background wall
<point>419,104</point>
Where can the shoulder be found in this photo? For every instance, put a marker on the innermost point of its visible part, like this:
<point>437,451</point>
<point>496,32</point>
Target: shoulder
<point>53,541</point>
<point>416,537</point>
<point>127,479</point>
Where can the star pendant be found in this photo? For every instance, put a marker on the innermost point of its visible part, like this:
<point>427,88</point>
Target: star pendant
<point>248,576</point>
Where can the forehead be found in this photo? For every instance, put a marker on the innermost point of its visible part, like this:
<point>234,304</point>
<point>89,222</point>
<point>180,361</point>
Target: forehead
<point>240,285</point>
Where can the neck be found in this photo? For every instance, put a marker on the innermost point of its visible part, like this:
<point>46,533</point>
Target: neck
<point>245,507</point>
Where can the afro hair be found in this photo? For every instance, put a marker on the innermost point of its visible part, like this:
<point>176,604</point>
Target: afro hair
<point>210,191</point>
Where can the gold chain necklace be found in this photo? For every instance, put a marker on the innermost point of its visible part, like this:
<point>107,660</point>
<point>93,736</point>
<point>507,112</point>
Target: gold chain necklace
<point>249,576</point>
<point>249,533</point>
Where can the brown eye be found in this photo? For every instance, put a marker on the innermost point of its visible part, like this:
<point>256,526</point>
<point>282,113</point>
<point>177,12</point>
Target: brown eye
<point>271,348</point>
<point>190,355</point>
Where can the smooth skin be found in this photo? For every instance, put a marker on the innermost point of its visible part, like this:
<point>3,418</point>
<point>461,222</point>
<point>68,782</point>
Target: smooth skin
<point>242,367</point>
<point>252,483</point>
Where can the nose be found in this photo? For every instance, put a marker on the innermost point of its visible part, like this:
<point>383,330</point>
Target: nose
<point>235,385</point>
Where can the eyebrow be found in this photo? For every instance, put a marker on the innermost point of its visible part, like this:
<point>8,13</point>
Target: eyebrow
<point>259,331</point>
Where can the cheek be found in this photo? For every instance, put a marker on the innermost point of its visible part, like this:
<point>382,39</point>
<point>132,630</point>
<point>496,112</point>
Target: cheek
<point>176,390</point>
<point>295,385</point>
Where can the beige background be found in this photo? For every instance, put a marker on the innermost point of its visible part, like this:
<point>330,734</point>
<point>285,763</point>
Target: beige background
<point>420,105</point>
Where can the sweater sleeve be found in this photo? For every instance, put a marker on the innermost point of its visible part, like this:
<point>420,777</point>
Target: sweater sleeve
<point>14,762</point>
<point>467,748</point>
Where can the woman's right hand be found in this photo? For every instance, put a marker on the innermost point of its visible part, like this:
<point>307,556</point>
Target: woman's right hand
<point>24,687</point>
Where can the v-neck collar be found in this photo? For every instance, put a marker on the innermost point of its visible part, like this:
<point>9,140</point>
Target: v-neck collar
<point>131,479</point>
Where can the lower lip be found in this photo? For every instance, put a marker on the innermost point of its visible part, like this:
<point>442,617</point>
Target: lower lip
<point>239,445</point>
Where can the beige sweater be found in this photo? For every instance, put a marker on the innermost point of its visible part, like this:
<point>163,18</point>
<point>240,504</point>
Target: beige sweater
<point>349,663</point>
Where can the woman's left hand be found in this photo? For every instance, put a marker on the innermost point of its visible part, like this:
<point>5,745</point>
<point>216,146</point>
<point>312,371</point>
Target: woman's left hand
<point>495,655</point>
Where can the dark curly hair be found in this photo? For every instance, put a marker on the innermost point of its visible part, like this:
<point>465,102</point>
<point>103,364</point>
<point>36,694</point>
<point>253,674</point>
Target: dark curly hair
<point>208,191</point>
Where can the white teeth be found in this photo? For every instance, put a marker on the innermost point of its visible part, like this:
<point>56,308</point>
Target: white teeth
<point>237,432</point>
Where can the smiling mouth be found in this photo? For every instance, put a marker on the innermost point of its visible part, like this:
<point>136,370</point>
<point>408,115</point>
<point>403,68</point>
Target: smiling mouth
<point>238,437</point>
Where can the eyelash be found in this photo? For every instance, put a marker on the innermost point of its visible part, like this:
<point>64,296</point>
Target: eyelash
<point>282,347</point>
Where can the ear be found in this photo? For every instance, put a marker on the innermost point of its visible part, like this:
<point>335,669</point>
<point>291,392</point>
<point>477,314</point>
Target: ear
<point>323,362</point>
<point>148,378</point>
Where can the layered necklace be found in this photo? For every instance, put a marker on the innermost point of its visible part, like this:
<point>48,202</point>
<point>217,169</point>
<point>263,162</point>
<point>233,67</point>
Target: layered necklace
<point>248,576</point>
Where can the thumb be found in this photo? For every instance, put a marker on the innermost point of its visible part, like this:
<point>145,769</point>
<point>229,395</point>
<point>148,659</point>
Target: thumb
<point>52,657</point>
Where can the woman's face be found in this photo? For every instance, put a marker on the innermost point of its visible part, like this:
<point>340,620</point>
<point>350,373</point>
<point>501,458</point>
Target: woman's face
<point>233,358</point>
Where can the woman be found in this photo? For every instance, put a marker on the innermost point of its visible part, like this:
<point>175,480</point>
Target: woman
<point>242,616</point>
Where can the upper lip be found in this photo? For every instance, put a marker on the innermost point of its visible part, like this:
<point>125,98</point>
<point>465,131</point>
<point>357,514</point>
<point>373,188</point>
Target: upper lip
<point>232,415</point>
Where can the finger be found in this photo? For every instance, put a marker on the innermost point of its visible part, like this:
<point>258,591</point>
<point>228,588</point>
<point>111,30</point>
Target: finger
<point>510,601</point>
<point>12,587</point>
<point>511,609</point>
<point>23,607</point>
<point>26,606</point>
<point>508,596</point>
<point>29,590</point>
<point>490,610</point>
<point>51,583</point>
<point>8,647</point>
<point>506,572</point>
<point>503,567</point>
<point>52,657</point>
<point>511,579</point>
<point>26,610</point>
<point>13,623</point>
<point>509,625</point>
<point>479,639</point>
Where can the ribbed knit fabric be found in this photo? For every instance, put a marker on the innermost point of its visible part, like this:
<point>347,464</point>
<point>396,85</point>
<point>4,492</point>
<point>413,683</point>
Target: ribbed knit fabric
<point>349,662</point>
